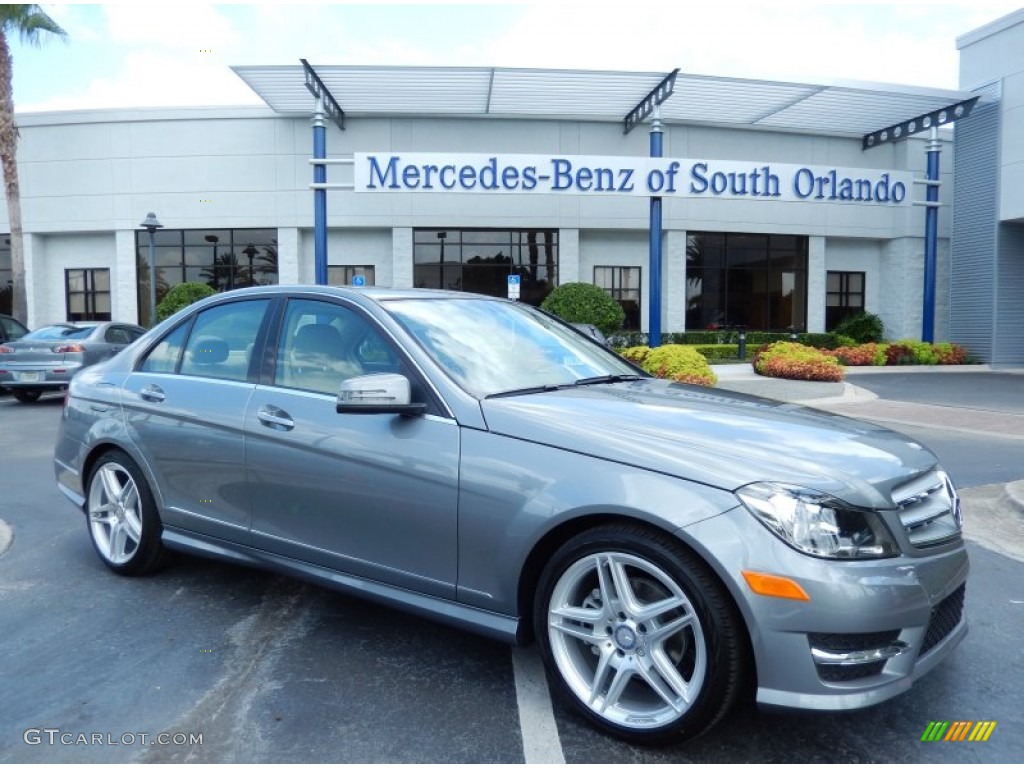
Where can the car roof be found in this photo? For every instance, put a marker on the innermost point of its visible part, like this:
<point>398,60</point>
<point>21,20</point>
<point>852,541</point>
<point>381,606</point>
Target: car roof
<point>373,294</point>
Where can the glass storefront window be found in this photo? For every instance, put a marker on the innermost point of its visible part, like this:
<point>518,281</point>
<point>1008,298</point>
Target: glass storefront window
<point>623,285</point>
<point>740,280</point>
<point>224,259</point>
<point>481,260</point>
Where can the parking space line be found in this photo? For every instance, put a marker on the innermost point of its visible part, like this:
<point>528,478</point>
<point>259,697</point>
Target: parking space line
<point>536,719</point>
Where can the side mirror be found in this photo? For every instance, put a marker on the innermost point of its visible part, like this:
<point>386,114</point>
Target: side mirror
<point>378,393</point>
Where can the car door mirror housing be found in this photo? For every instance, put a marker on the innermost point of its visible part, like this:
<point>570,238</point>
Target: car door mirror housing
<point>378,393</point>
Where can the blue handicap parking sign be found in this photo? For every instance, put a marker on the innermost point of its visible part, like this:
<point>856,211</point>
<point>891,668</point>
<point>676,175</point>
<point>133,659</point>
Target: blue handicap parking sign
<point>358,280</point>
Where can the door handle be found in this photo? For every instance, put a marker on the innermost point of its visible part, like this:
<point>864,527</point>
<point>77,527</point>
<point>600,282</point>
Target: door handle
<point>152,393</point>
<point>275,418</point>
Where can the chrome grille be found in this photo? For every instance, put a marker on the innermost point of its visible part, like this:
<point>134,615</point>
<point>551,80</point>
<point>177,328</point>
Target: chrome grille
<point>929,509</point>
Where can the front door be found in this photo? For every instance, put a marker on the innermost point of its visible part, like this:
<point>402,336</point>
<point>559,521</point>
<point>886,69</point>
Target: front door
<point>373,495</point>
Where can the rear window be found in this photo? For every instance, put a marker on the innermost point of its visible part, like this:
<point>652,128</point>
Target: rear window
<point>59,332</point>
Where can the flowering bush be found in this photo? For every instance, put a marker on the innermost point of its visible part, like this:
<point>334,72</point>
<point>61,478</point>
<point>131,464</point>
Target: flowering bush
<point>861,354</point>
<point>951,354</point>
<point>899,353</point>
<point>789,360</point>
<point>673,361</point>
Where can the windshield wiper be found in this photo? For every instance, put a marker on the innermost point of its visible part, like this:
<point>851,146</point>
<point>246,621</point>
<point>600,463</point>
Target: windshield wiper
<point>612,378</point>
<point>528,390</point>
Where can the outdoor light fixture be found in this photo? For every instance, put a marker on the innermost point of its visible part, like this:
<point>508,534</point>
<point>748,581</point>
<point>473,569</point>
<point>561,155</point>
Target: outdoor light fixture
<point>151,225</point>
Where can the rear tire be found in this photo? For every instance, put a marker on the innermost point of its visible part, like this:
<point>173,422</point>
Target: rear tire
<point>639,635</point>
<point>27,395</point>
<point>121,515</point>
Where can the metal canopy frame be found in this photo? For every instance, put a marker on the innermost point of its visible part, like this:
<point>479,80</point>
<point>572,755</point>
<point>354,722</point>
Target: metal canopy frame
<point>323,94</point>
<point>843,109</point>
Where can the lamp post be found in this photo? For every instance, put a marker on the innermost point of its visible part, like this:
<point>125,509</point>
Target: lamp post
<point>214,240</point>
<point>440,267</point>
<point>151,225</point>
<point>250,250</point>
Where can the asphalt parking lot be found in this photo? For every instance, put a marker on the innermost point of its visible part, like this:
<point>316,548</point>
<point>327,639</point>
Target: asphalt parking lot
<point>267,669</point>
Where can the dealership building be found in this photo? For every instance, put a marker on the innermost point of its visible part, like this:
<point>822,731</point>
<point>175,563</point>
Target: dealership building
<point>776,206</point>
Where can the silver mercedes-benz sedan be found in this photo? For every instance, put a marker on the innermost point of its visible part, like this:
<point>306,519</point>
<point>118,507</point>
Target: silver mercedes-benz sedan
<point>480,463</point>
<point>45,359</point>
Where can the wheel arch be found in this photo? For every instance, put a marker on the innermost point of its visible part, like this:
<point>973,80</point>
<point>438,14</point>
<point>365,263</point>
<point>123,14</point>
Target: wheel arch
<point>549,543</point>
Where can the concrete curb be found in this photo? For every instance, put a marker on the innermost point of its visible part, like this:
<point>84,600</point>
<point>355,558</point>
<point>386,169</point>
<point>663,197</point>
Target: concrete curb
<point>1014,493</point>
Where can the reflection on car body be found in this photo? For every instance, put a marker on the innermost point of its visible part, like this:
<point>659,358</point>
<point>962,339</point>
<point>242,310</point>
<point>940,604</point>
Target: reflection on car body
<point>478,462</point>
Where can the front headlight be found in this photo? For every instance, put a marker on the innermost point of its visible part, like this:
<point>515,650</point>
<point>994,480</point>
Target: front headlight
<point>818,524</point>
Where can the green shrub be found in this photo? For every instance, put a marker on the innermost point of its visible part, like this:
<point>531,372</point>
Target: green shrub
<point>844,341</point>
<point>585,303</point>
<point>789,360</point>
<point>180,296</point>
<point>635,355</point>
<point>673,361</point>
<point>862,328</point>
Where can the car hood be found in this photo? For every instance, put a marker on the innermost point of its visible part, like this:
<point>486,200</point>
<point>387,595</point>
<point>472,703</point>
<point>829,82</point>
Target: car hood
<point>725,440</point>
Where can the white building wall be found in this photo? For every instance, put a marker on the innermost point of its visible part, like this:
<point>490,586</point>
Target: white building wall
<point>124,305</point>
<point>91,177</point>
<point>816,270</point>
<point>55,253</point>
<point>993,53</point>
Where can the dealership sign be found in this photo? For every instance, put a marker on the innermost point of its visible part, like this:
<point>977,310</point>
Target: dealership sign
<point>604,175</point>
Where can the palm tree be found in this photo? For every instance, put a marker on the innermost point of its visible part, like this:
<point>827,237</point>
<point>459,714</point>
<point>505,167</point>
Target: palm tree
<point>29,22</point>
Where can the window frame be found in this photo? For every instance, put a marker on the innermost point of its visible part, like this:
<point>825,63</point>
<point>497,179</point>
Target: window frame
<point>89,294</point>
<point>616,290</point>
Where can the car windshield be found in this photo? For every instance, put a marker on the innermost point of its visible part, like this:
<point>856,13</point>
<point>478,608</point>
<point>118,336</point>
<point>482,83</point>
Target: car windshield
<point>495,347</point>
<point>59,332</point>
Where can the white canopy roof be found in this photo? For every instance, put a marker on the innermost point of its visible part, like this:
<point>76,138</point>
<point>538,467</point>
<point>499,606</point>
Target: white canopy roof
<point>852,109</point>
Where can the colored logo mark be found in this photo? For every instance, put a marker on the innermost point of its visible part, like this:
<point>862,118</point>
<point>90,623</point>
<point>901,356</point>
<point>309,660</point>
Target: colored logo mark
<point>958,730</point>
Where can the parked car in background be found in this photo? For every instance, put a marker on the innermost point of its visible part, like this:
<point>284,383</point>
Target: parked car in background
<point>45,359</point>
<point>479,462</point>
<point>11,329</point>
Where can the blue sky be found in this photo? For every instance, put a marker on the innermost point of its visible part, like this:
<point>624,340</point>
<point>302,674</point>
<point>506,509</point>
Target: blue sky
<point>161,54</point>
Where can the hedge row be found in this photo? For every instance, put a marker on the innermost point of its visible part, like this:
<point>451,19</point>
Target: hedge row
<point>903,352</point>
<point>753,338</point>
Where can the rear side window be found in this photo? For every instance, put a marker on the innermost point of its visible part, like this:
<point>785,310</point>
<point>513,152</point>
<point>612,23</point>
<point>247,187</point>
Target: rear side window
<point>163,358</point>
<point>222,340</point>
<point>11,330</point>
<point>218,345</point>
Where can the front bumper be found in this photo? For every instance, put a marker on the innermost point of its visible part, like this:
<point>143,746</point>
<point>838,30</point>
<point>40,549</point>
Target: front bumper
<point>870,629</point>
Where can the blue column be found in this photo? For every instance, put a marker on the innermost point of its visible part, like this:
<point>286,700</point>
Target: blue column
<point>654,313</point>
<point>931,235</point>
<point>320,195</point>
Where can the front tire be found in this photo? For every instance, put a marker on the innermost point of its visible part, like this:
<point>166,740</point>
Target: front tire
<point>639,635</point>
<point>121,515</point>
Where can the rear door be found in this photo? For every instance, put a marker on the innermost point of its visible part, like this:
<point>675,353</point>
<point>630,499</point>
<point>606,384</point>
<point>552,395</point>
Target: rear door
<point>185,405</point>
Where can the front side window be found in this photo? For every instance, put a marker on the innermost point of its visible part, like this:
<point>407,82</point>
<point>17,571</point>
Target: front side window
<point>322,344</point>
<point>87,293</point>
<point>164,357</point>
<point>489,347</point>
